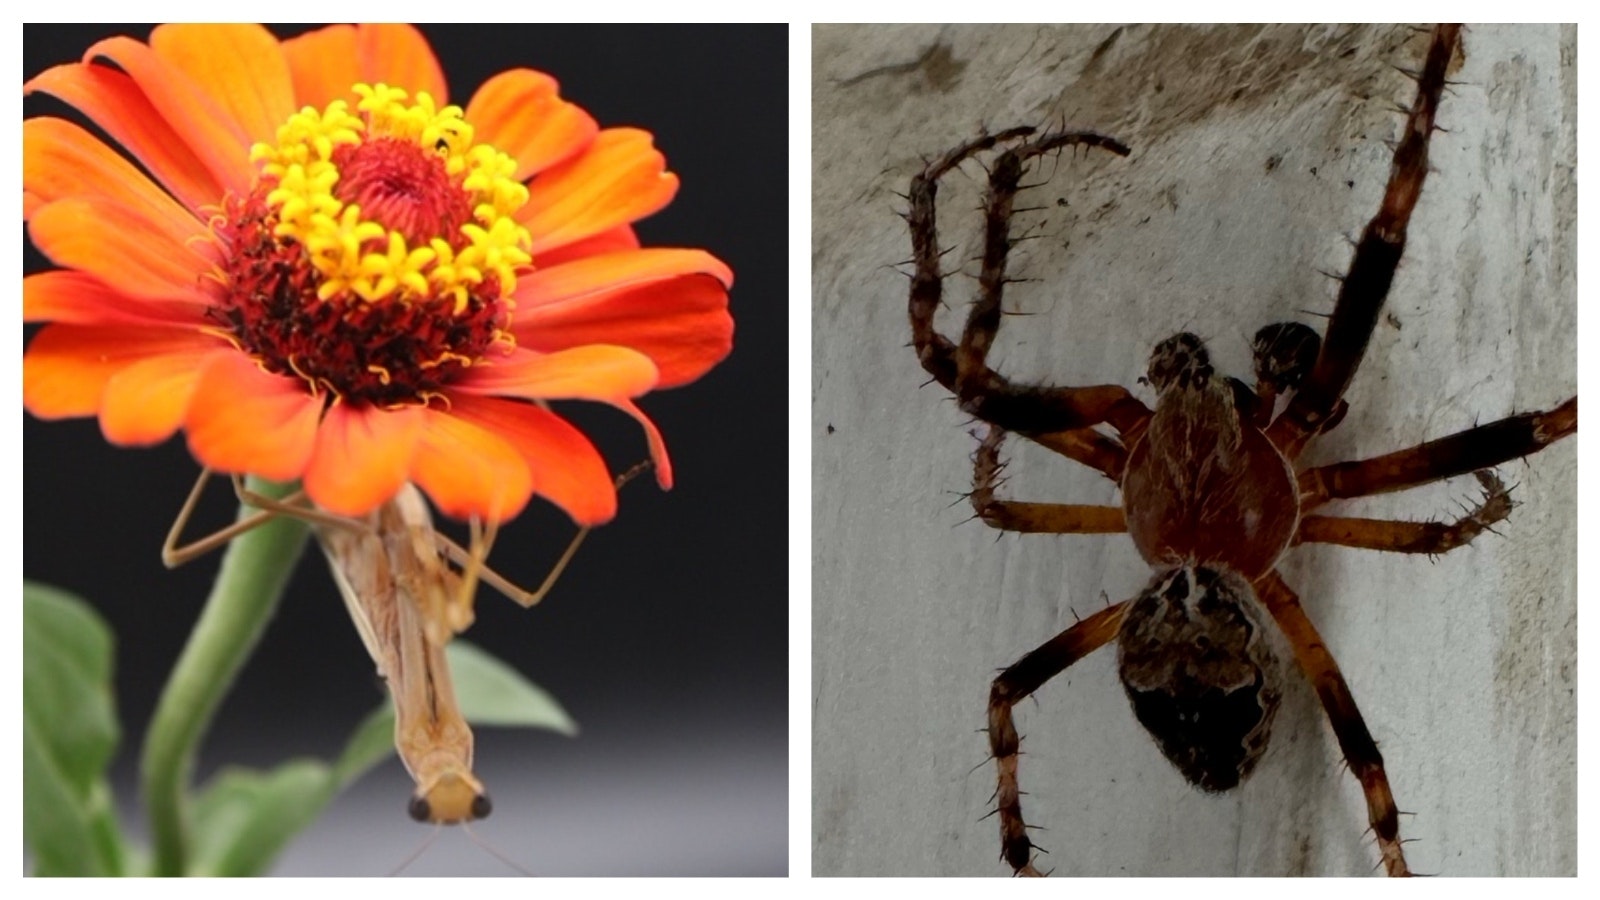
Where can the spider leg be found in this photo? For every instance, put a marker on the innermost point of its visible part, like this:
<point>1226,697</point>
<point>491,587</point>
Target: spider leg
<point>1048,518</point>
<point>963,369</point>
<point>1372,270</point>
<point>1360,751</point>
<point>1477,448</point>
<point>1016,683</point>
<point>1105,454</point>
<point>1431,538</point>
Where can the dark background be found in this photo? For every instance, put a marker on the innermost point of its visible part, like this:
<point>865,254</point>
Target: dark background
<point>666,639</point>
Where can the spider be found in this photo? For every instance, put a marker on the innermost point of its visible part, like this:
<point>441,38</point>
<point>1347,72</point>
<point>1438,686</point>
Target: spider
<point>1211,493</point>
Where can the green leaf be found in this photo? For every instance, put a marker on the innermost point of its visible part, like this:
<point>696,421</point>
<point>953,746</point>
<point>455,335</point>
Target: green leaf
<point>493,693</point>
<point>69,733</point>
<point>245,817</point>
<point>371,744</point>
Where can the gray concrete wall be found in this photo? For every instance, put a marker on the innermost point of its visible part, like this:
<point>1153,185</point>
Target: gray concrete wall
<point>1255,151</point>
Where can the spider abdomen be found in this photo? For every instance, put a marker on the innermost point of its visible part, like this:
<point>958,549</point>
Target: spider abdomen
<point>1195,656</point>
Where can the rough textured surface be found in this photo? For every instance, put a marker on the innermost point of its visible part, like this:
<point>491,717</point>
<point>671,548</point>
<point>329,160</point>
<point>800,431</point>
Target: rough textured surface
<point>1255,149</point>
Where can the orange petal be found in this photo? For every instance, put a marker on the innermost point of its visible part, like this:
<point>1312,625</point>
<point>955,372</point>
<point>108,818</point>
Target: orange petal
<point>620,178</point>
<point>564,466</point>
<point>61,161</point>
<point>120,246</point>
<point>399,56</point>
<point>467,471</point>
<point>595,372</point>
<point>618,238</point>
<point>682,323</point>
<point>62,295</point>
<point>362,457</point>
<point>244,420</point>
<point>658,447</point>
<point>122,110</point>
<point>323,64</point>
<point>146,402</point>
<point>608,271</point>
<point>66,367</point>
<point>521,113</point>
<point>209,131</point>
<point>239,66</point>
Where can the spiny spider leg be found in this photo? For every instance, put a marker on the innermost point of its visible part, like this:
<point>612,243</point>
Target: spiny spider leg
<point>1085,445</point>
<point>1360,751</point>
<point>1015,683</point>
<point>1432,538</point>
<point>1372,269</point>
<point>1466,451</point>
<point>1049,518</point>
<point>934,350</point>
<point>980,390</point>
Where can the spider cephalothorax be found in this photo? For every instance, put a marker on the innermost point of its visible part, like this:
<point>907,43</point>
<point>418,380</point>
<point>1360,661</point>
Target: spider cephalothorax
<point>1202,481</point>
<point>1213,488</point>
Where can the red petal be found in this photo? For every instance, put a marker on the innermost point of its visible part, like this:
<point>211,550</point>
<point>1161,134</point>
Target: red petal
<point>239,66</point>
<point>564,466</point>
<point>658,447</point>
<point>521,113</point>
<point>468,471</point>
<point>619,179</point>
<point>244,420</point>
<point>66,367</point>
<point>122,110</point>
<point>595,372</point>
<point>62,295</point>
<point>399,56</point>
<point>146,402</point>
<point>208,130</point>
<point>362,457</point>
<point>682,323</point>
<point>323,64</point>
<point>121,247</point>
<point>618,238</point>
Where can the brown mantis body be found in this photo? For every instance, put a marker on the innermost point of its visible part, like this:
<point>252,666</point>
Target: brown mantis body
<point>393,571</point>
<point>391,575</point>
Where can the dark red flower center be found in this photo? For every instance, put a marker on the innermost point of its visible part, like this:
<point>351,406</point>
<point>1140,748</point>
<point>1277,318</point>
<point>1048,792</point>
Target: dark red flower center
<point>394,351</point>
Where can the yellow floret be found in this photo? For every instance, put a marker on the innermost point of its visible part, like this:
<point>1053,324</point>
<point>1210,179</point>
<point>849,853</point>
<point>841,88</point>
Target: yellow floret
<point>363,258</point>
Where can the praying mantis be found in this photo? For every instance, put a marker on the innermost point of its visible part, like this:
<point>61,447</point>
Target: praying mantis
<point>394,573</point>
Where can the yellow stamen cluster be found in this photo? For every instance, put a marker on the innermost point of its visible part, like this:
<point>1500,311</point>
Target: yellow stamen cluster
<point>359,256</point>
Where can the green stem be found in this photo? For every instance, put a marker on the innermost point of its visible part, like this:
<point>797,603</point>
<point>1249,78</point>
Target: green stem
<point>254,572</point>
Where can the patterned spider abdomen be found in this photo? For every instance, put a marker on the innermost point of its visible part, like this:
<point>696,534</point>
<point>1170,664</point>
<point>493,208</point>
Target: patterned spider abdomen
<point>1195,655</point>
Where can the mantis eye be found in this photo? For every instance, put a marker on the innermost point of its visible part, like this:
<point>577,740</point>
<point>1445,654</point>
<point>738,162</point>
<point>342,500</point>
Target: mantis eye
<point>449,800</point>
<point>419,810</point>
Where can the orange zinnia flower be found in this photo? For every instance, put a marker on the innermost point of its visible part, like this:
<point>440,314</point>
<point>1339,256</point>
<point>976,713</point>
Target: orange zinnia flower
<point>331,275</point>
